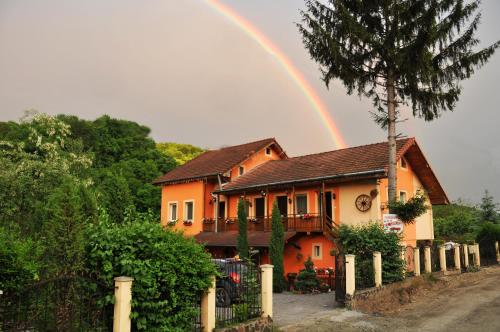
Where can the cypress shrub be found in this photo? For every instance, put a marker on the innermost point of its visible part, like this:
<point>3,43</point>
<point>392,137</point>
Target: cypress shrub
<point>276,248</point>
<point>242,241</point>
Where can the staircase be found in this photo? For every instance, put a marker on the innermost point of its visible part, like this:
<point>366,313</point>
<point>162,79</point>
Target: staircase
<point>331,229</point>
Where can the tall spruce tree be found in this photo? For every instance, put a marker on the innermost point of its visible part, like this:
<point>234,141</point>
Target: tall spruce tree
<point>242,241</point>
<point>397,53</point>
<point>276,248</point>
<point>488,208</point>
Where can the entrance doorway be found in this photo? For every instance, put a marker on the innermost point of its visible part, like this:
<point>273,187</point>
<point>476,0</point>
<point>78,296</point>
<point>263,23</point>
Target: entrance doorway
<point>283,205</point>
<point>260,209</point>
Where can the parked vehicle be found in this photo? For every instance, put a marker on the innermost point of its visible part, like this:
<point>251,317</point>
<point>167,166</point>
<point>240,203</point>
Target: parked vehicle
<point>229,286</point>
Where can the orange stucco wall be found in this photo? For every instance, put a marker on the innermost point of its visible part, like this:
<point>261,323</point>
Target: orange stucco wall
<point>294,258</point>
<point>180,193</point>
<point>405,182</point>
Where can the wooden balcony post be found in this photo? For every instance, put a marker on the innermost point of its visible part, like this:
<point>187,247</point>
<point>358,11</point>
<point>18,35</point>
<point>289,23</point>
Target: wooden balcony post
<point>293,207</point>
<point>267,210</point>
<point>217,198</point>
<point>323,205</point>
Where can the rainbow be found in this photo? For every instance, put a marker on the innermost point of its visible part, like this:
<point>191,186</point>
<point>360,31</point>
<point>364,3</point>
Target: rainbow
<point>292,71</point>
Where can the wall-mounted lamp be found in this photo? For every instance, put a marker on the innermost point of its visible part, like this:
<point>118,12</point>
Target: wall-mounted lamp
<point>334,196</point>
<point>289,201</point>
<point>263,193</point>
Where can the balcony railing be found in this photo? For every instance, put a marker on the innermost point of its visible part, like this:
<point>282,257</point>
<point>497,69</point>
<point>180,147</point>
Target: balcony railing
<point>309,222</point>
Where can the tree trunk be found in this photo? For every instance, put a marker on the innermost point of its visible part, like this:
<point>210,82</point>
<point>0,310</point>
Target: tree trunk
<point>391,127</point>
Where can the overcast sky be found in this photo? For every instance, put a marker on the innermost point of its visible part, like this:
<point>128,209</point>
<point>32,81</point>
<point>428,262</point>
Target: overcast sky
<point>192,76</point>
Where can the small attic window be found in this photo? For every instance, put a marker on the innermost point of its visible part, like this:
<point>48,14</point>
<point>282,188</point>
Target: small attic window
<point>268,151</point>
<point>403,163</point>
<point>241,170</point>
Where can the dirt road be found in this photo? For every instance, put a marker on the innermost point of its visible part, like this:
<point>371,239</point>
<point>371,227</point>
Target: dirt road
<point>471,302</point>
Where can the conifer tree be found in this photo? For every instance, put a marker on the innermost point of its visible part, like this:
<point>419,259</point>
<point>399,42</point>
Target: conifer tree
<point>488,208</point>
<point>397,53</point>
<point>242,241</point>
<point>276,248</point>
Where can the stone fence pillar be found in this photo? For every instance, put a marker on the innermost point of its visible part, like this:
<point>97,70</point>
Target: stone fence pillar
<point>377,268</point>
<point>416,261</point>
<point>456,251</point>
<point>208,308</point>
<point>267,290</point>
<point>466,255</point>
<point>497,251</point>
<point>477,256</point>
<point>442,258</point>
<point>350,275</point>
<point>123,304</point>
<point>427,259</point>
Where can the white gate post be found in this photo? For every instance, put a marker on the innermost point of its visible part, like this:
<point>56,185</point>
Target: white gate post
<point>466,255</point>
<point>427,259</point>
<point>207,308</point>
<point>497,251</point>
<point>350,275</point>
<point>457,256</point>
<point>477,255</point>
<point>267,290</point>
<point>442,258</point>
<point>416,261</point>
<point>123,304</point>
<point>377,268</point>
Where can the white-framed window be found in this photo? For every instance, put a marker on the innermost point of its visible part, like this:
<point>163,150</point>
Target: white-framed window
<point>172,211</point>
<point>189,210</point>
<point>301,203</point>
<point>317,251</point>
<point>268,151</point>
<point>403,163</point>
<point>402,196</point>
<point>241,170</point>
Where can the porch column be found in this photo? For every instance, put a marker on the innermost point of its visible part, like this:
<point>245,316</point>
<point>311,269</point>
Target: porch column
<point>350,275</point>
<point>416,260</point>
<point>427,259</point>
<point>456,251</point>
<point>217,198</point>
<point>323,205</point>
<point>377,268</point>
<point>442,258</point>
<point>293,207</point>
<point>466,255</point>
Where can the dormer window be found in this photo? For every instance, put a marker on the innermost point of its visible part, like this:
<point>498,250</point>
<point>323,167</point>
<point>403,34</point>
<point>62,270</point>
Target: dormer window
<point>241,170</point>
<point>403,163</point>
<point>268,151</point>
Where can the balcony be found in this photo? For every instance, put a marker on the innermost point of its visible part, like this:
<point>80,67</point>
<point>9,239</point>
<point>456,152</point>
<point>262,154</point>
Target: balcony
<point>310,222</point>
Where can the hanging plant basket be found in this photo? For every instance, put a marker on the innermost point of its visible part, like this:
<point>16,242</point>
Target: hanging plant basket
<point>408,211</point>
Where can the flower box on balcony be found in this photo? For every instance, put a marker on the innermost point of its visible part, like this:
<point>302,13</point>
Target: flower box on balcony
<point>229,221</point>
<point>172,222</point>
<point>305,216</point>
<point>187,222</point>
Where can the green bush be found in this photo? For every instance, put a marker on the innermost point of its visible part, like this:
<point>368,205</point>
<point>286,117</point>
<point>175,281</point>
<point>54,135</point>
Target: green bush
<point>20,260</point>
<point>362,241</point>
<point>307,281</point>
<point>170,272</point>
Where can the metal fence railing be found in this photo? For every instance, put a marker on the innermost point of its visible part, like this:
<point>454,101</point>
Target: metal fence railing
<point>66,303</point>
<point>238,292</point>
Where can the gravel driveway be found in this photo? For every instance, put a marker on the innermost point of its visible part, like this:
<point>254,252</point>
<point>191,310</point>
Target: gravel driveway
<point>290,308</point>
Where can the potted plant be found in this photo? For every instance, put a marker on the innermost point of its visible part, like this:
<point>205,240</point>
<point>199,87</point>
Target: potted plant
<point>172,222</point>
<point>188,222</point>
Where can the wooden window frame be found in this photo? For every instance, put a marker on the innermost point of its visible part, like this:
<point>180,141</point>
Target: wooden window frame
<point>185,210</point>
<point>313,253</point>
<point>169,204</point>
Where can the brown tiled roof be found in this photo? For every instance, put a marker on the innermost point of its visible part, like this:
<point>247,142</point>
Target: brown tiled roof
<point>215,162</point>
<point>358,160</point>
<point>228,239</point>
